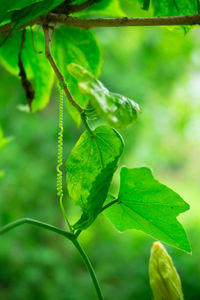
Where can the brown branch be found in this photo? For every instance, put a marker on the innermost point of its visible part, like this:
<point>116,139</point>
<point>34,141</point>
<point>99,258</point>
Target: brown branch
<point>55,19</point>
<point>59,19</point>
<point>47,33</point>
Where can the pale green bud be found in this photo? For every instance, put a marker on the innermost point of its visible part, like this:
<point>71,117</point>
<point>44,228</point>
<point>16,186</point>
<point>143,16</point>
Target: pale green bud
<point>164,279</point>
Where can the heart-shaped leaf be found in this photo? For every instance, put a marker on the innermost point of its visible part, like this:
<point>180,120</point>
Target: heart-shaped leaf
<point>147,205</point>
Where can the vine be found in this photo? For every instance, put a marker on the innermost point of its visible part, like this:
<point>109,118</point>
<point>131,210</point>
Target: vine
<point>94,159</point>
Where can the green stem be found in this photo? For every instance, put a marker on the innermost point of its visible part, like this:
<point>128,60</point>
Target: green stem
<point>85,122</point>
<point>19,222</point>
<point>109,204</point>
<point>89,267</point>
<point>70,236</point>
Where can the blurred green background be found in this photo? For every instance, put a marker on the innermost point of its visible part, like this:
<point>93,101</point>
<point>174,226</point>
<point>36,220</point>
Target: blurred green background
<point>158,68</point>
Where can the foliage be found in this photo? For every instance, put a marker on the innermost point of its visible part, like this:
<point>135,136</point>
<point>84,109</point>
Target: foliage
<point>90,169</point>
<point>117,110</point>
<point>174,8</point>
<point>37,68</point>
<point>143,203</point>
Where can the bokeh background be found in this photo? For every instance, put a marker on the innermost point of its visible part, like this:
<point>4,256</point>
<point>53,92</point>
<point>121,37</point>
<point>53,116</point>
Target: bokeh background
<point>160,69</point>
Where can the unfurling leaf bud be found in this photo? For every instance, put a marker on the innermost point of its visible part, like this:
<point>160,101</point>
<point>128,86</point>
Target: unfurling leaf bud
<point>164,279</point>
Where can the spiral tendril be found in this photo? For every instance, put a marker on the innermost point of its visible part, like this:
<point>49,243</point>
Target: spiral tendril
<point>60,157</point>
<point>60,147</point>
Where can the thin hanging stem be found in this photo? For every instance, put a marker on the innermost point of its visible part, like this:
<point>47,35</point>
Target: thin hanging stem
<point>60,159</point>
<point>89,267</point>
<point>47,32</point>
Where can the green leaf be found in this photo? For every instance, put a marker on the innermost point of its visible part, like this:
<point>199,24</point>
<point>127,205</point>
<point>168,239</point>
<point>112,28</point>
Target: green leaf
<point>33,11</point>
<point>119,111</point>
<point>90,168</point>
<point>100,5</point>
<point>1,174</point>
<point>147,205</point>
<point>109,8</point>
<point>9,6</point>
<point>146,4</point>
<point>36,65</point>
<point>73,45</point>
<point>174,7</point>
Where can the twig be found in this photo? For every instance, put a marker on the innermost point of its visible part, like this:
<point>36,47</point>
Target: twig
<point>61,79</point>
<point>61,19</point>
<point>57,71</point>
<point>120,22</point>
<point>33,42</point>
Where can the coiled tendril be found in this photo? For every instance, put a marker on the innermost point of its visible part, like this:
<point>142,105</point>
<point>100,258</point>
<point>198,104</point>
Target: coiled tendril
<point>60,146</point>
<point>60,157</point>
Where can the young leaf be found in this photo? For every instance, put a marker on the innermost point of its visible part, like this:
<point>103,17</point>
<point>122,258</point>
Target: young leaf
<point>90,168</point>
<point>119,111</point>
<point>73,45</point>
<point>37,67</point>
<point>147,205</point>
